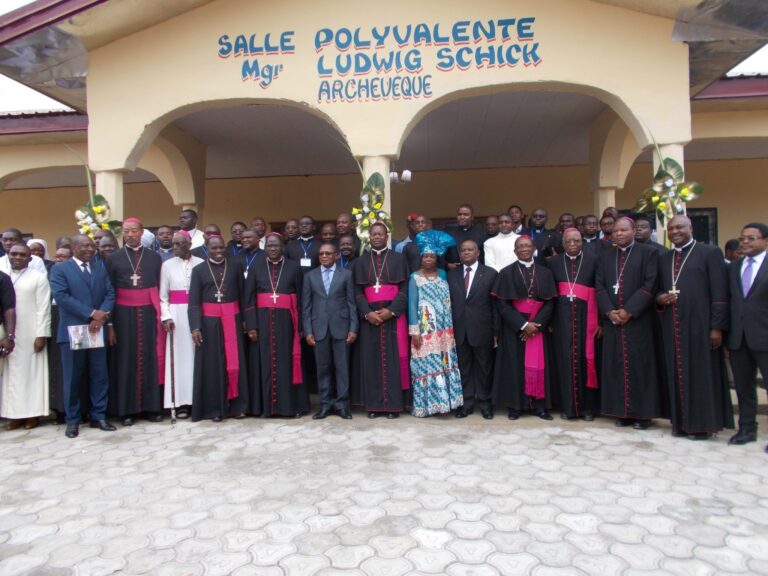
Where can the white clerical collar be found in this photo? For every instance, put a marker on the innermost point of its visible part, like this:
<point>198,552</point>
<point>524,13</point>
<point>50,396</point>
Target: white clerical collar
<point>139,247</point>
<point>219,263</point>
<point>526,264</point>
<point>306,238</point>
<point>683,247</point>
<point>378,252</point>
<point>627,247</point>
<point>275,262</point>
<point>574,257</point>
<point>590,238</point>
<point>519,229</point>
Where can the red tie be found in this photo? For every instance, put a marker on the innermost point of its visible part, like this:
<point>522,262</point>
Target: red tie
<point>466,279</point>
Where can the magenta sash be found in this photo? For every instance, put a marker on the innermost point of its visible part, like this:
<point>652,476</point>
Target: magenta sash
<point>226,312</point>
<point>534,352</point>
<point>389,292</point>
<point>286,302</point>
<point>178,297</point>
<point>136,297</point>
<point>588,295</point>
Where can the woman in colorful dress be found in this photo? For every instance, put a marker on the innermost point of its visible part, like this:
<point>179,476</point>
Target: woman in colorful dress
<point>435,377</point>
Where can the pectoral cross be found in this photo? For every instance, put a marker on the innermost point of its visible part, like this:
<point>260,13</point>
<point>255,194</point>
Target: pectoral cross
<point>377,287</point>
<point>219,295</point>
<point>571,296</point>
<point>674,291</point>
<point>616,288</point>
<point>135,279</point>
<point>274,297</point>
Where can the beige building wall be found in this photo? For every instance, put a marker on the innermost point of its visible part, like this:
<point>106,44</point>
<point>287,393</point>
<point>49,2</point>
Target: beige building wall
<point>735,187</point>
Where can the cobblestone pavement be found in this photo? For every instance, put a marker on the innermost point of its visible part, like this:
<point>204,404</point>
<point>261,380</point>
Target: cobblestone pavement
<point>434,496</point>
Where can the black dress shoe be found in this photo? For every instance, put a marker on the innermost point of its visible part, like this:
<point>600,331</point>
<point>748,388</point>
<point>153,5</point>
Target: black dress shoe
<point>743,437</point>
<point>216,418</point>
<point>322,413</point>
<point>641,424</point>
<point>700,436</point>
<point>544,415</point>
<point>128,421</point>
<point>344,413</point>
<point>564,416</point>
<point>487,413</point>
<point>462,413</point>
<point>588,417</point>
<point>624,422</point>
<point>392,415</point>
<point>154,417</point>
<point>372,415</point>
<point>72,431</point>
<point>513,414</point>
<point>102,425</point>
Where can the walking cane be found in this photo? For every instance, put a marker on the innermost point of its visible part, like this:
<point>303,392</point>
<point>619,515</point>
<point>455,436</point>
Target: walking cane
<point>173,381</point>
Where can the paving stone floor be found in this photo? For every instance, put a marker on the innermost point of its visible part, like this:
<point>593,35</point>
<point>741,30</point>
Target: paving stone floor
<point>433,496</point>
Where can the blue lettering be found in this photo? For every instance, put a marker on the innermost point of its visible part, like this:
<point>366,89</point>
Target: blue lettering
<point>488,56</point>
<point>511,60</point>
<point>336,89</point>
<point>323,37</point>
<point>380,36</point>
<point>375,85</point>
<point>399,38</point>
<point>445,60</point>
<point>362,63</point>
<point>439,40</point>
<point>225,46</point>
<point>386,88</point>
<point>343,64</point>
<point>343,38</point>
<point>421,35</point>
<point>530,56</point>
<point>505,24</point>
<point>321,69</point>
<point>381,64</point>
<point>428,85</point>
<point>324,91</point>
<point>241,46</point>
<point>349,90</point>
<point>524,31</point>
<point>252,48</point>
<point>286,39</point>
<point>250,70</point>
<point>479,32</point>
<point>361,44</point>
<point>363,85</point>
<point>268,48</point>
<point>459,32</point>
<point>413,61</point>
<point>463,57</point>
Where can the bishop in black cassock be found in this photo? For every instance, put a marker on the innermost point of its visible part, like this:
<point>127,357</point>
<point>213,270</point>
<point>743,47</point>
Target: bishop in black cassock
<point>138,370</point>
<point>381,366</point>
<point>221,377</point>
<point>693,297</point>
<point>575,328</point>
<point>273,320</point>
<point>525,293</point>
<point>625,285</point>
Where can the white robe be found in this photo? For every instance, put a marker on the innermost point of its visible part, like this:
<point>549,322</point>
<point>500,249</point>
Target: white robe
<point>500,250</point>
<point>36,264</point>
<point>24,384</point>
<point>175,275</point>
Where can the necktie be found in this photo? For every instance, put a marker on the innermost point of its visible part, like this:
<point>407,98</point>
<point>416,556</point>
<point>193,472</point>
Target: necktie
<point>466,280</point>
<point>327,279</point>
<point>746,276</point>
<point>86,270</point>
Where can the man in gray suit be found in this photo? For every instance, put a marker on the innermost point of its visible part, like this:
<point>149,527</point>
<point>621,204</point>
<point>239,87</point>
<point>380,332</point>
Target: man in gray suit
<point>330,325</point>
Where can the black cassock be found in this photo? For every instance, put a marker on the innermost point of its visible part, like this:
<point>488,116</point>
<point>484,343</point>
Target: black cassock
<point>700,399</point>
<point>569,338</point>
<point>630,385</point>
<point>280,396</point>
<point>377,375</point>
<point>300,251</point>
<point>211,382</point>
<point>513,283</point>
<point>134,373</point>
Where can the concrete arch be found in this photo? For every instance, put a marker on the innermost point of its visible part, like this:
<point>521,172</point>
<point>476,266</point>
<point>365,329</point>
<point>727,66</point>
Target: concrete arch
<point>613,150</point>
<point>153,129</point>
<point>617,105</point>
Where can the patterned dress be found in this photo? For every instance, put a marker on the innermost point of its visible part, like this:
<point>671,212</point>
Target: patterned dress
<point>435,377</point>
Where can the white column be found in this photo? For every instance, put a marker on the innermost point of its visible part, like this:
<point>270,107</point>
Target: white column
<point>603,197</point>
<point>109,183</point>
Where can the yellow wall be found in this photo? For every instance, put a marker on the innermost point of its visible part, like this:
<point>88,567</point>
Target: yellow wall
<point>48,213</point>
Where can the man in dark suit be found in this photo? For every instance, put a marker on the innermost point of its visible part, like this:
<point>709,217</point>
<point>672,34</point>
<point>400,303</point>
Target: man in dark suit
<point>330,325</point>
<point>84,295</point>
<point>748,334</point>
<point>474,324</point>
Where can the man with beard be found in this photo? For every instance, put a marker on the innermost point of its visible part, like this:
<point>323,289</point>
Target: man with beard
<point>221,379</point>
<point>175,278</point>
<point>381,280</point>
<point>137,334</point>
<point>575,328</point>
<point>625,284</point>
<point>693,291</point>
<point>272,318</point>
<point>525,293</point>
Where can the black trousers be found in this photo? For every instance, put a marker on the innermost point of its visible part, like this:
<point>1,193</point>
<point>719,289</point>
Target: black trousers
<point>744,363</point>
<point>332,358</point>
<point>475,365</point>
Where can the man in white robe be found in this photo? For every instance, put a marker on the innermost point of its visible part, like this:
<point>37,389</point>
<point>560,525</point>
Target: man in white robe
<point>24,385</point>
<point>500,250</point>
<point>174,297</point>
<point>12,237</point>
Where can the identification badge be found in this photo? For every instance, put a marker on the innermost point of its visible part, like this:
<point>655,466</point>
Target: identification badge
<point>306,262</point>
<point>245,274</point>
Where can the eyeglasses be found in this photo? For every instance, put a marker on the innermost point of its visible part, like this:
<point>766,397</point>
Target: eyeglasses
<point>326,253</point>
<point>749,238</point>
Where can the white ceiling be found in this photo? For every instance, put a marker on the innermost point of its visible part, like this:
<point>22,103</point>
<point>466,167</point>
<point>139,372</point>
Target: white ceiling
<point>495,131</point>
